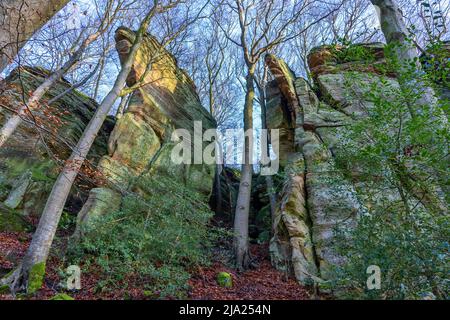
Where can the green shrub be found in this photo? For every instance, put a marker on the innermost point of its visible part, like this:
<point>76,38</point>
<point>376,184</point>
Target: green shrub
<point>157,238</point>
<point>67,221</point>
<point>351,52</point>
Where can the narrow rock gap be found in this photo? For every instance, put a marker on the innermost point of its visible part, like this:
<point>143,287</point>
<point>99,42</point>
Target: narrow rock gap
<point>309,219</point>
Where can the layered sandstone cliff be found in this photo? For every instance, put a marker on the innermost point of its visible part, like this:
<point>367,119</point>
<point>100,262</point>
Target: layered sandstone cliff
<point>318,201</point>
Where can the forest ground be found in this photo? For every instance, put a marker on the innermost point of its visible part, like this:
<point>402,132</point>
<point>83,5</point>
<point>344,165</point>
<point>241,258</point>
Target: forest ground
<point>262,282</point>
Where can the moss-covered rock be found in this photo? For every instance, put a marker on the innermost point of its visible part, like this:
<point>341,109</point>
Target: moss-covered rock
<point>4,289</point>
<point>61,296</point>
<point>133,142</point>
<point>140,144</point>
<point>12,220</point>
<point>315,196</point>
<point>101,201</point>
<point>332,59</point>
<point>18,190</point>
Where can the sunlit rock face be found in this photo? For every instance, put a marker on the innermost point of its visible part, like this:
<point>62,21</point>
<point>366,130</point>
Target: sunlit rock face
<point>30,159</point>
<point>140,144</point>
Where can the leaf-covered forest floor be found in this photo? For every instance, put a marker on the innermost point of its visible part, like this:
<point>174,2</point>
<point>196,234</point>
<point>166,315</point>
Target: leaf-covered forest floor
<point>262,282</point>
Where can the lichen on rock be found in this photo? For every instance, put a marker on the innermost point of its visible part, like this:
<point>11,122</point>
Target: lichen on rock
<point>140,143</point>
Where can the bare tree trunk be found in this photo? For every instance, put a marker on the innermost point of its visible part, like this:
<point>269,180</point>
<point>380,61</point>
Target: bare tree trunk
<point>19,20</point>
<point>394,28</point>
<point>245,187</point>
<point>15,120</point>
<point>30,274</point>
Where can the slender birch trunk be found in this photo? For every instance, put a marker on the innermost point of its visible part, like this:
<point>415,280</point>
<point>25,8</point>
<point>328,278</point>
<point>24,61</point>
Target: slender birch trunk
<point>396,33</point>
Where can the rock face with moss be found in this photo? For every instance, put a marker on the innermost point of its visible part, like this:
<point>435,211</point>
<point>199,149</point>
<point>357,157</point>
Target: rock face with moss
<point>316,198</point>
<point>30,159</point>
<point>138,144</point>
<point>436,61</point>
<point>141,142</point>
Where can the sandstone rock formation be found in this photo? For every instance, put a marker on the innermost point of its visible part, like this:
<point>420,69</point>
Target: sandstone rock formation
<point>317,200</point>
<point>140,143</point>
<point>29,160</point>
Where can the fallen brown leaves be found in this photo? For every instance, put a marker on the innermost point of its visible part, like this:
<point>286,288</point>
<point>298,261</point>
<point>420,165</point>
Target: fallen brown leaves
<point>13,246</point>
